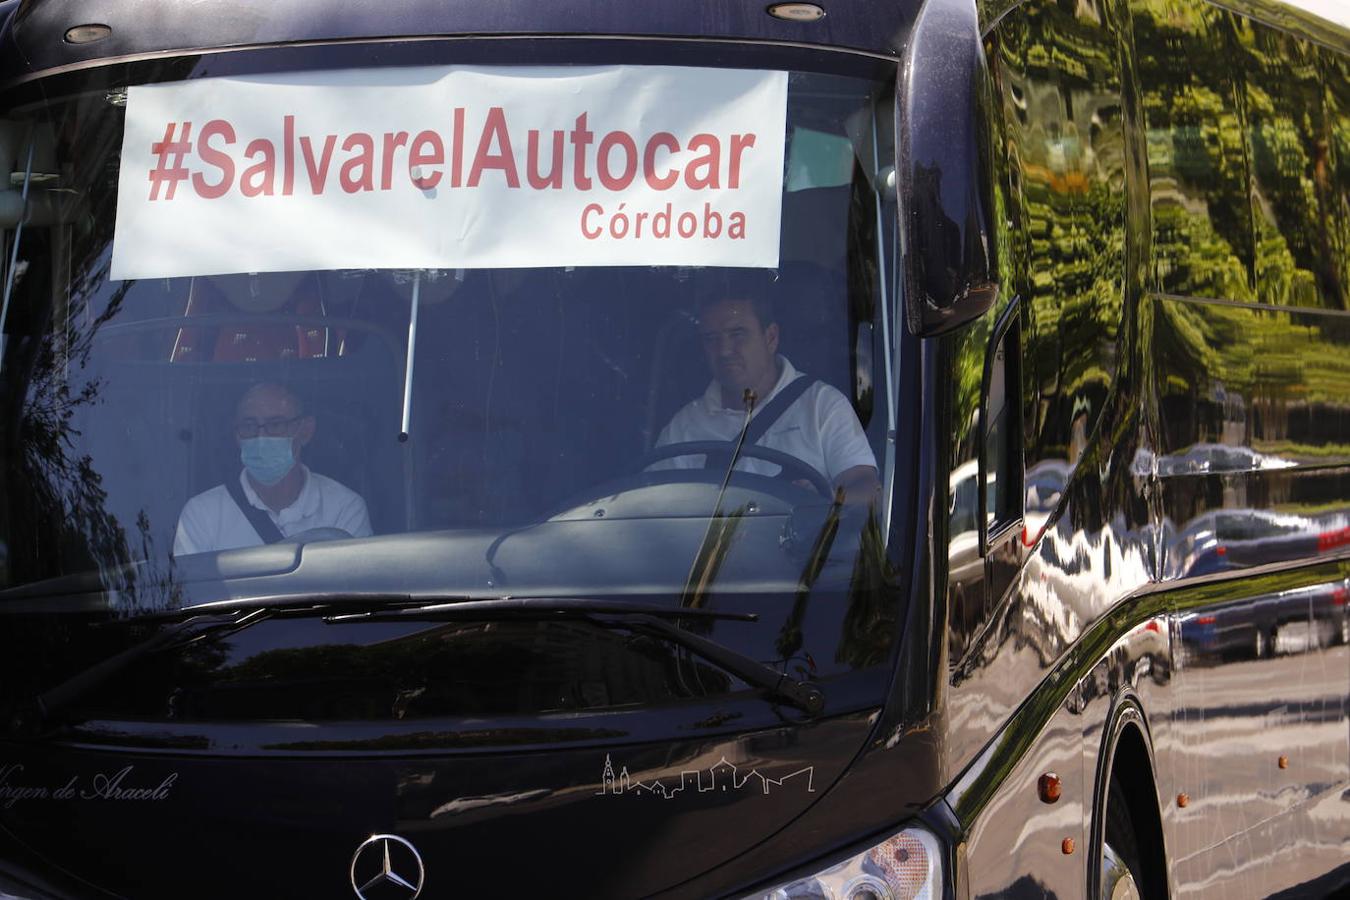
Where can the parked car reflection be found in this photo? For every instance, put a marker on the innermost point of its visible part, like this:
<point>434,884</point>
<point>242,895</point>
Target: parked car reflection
<point>1222,540</point>
<point>1290,621</point>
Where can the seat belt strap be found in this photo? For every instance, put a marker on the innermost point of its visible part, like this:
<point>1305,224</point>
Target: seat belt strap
<point>765,419</point>
<point>262,523</point>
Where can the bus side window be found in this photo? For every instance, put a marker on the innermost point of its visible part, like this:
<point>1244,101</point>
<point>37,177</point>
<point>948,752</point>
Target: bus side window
<point>1335,172</point>
<point>1202,216</point>
<point>1001,460</point>
<point>1002,438</point>
<point>1288,150</point>
<point>1057,74</point>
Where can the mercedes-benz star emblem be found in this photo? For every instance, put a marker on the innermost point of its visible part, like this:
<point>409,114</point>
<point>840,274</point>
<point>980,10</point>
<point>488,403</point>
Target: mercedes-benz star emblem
<point>386,867</point>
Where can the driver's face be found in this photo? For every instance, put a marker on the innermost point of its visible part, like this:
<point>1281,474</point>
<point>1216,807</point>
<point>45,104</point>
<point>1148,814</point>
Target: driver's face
<point>273,412</point>
<point>741,352</point>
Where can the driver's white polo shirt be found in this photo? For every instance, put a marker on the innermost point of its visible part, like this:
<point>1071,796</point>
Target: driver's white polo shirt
<point>819,428</point>
<point>213,521</point>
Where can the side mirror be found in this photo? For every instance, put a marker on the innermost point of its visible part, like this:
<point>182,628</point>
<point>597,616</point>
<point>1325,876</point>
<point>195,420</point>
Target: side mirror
<point>942,150</point>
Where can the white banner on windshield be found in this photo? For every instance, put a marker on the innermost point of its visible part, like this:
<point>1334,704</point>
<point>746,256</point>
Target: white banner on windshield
<point>452,167</point>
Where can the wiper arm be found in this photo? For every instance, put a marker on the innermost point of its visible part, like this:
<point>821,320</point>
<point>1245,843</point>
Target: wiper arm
<point>208,621</point>
<point>703,567</point>
<point>188,631</point>
<point>620,614</point>
<point>806,697</point>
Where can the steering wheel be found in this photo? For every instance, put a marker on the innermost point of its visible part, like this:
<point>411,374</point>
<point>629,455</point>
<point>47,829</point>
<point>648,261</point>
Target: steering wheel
<point>790,467</point>
<point>322,533</point>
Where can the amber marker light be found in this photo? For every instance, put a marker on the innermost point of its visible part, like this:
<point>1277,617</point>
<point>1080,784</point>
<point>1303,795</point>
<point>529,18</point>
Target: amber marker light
<point>1183,800</point>
<point>87,34</point>
<point>1049,787</point>
<point>1284,762</point>
<point>797,12</point>
<point>1067,846</point>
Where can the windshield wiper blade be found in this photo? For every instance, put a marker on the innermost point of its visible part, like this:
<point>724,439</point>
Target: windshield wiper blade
<point>183,626</point>
<point>620,614</point>
<point>532,607</point>
<point>211,621</point>
<point>304,604</point>
<point>198,627</point>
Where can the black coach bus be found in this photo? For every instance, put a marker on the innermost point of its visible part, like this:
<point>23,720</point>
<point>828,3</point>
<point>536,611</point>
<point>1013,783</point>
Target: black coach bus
<point>859,450</point>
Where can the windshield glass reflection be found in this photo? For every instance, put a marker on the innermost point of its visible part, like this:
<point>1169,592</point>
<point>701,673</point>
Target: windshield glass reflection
<point>455,432</point>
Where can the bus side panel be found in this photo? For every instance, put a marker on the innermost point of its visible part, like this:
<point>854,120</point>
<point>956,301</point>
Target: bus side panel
<point>1020,842</point>
<point>1258,742</point>
<point>1250,344</point>
<point>1030,845</point>
<point>1256,475</point>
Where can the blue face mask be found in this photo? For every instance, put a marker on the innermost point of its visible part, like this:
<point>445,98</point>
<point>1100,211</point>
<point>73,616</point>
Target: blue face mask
<point>267,459</point>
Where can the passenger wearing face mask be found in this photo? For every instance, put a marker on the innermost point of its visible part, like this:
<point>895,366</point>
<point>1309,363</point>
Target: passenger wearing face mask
<point>276,497</point>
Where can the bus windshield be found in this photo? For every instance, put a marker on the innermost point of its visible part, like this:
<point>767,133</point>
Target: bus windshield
<point>182,429</point>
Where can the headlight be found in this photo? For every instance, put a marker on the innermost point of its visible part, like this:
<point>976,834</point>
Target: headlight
<point>11,889</point>
<point>905,866</point>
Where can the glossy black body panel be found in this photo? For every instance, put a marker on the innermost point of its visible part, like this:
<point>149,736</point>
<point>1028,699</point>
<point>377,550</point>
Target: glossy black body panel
<point>1190,567</point>
<point>470,815</point>
<point>1169,612</point>
<point>159,27</point>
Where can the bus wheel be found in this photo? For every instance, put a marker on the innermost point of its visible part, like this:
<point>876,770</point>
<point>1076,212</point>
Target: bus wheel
<point>1121,870</point>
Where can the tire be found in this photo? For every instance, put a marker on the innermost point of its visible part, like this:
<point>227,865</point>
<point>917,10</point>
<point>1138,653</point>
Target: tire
<point>1122,871</point>
<point>1260,644</point>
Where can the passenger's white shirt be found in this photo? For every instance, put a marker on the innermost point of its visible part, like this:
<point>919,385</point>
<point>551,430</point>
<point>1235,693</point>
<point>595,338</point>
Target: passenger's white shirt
<point>819,428</point>
<point>213,521</point>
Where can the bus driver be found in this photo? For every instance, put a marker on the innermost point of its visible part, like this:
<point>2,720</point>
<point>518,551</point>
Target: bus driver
<point>275,497</point>
<point>740,340</point>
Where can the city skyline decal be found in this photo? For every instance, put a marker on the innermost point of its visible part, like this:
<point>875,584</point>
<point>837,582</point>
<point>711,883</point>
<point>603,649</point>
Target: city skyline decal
<point>719,778</point>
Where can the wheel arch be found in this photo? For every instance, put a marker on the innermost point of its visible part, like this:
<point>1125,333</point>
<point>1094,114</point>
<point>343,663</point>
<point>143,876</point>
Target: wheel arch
<point>1126,755</point>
